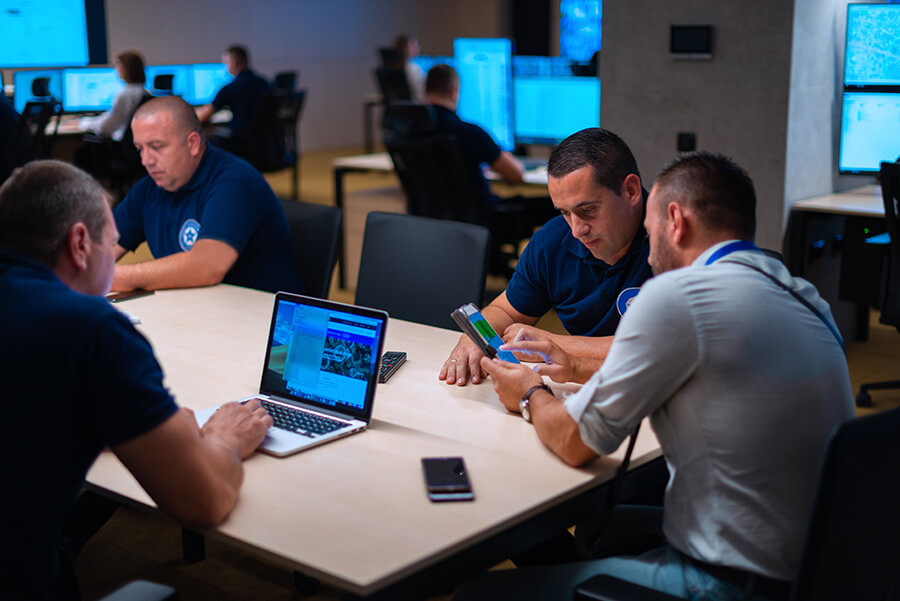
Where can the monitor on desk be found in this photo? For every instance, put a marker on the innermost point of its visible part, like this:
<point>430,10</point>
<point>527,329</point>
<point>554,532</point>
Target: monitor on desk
<point>182,79</point>
<point>871,57</point>
<point>484,66</point>
<point>88,90</point>
<point>550,109</point>
<point>208,80</point>
<point>870,131</point>
<point>542,66</point>
<point>22,81</point>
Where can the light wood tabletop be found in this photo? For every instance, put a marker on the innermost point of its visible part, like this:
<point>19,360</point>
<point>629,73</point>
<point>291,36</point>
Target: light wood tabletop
<point>864,201</point>
<point>354,513</point>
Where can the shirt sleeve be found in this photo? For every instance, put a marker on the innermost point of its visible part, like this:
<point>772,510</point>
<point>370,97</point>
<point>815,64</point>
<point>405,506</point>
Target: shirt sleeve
<point>233,212</point>
<point>527,290</point>
<point>128,398</point>
<point>655,351</point>
<point>118,116</point>
<point>129,216</point>
<point>222,97</point>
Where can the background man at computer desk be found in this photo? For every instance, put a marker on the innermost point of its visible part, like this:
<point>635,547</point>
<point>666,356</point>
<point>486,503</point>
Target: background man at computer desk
<point>84,379</point>
<point>240,95</point>
<point>587,263</point>
<point>723,355</point>
<point>207,216</point>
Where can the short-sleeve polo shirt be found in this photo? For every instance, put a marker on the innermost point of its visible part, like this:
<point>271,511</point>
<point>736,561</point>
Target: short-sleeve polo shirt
<point>476,146</point>
<point>227,200</point>
<point>241,95</point>
<point>556,271</point>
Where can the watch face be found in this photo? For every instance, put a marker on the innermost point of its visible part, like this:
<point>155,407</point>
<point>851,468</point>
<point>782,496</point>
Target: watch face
<point>525,410</point>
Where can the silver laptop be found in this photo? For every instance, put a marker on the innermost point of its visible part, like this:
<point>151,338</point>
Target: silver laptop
<point>320,371</point>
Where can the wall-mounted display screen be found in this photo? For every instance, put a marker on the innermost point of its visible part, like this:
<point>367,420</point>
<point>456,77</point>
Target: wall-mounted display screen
<point>870,131</point>
<point>872,55</point>
<point>484,66</point>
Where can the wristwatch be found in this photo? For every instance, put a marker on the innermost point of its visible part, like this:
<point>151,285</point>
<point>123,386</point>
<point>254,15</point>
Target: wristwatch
<point>526,400</point>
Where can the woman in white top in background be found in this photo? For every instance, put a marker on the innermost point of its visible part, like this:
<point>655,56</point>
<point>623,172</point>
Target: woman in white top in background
<point>408,46</point>
<point>130,66</point>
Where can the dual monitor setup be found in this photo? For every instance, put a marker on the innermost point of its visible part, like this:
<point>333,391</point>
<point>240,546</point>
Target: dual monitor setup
<point>92,89</point>
<point>870,115</point>
<point>519,99</point>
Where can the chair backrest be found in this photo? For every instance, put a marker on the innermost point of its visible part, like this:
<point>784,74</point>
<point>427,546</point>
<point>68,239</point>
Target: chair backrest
<point>429,165</point>
<point>890,193</point>
<point>421,269</point>
<point>270,141</point>
<point>853,542</point>
<point>315,239</point>
<point>162,84</point>
<point>28,141</point>
<point>392,84</point>
<point>391,57</point>
<point>285,82</point>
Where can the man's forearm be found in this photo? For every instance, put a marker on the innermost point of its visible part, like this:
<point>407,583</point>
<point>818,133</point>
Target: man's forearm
<point>180,270</point>
<point>557,430</point>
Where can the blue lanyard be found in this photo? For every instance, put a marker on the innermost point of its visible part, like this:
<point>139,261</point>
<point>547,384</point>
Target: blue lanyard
<point>730,248</point>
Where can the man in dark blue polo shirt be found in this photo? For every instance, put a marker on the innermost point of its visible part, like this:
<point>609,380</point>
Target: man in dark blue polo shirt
<point>240,95</point>
<point>586,263</point>
<point>78,378</point>
<point>476,146</point>
<point>207,216</point>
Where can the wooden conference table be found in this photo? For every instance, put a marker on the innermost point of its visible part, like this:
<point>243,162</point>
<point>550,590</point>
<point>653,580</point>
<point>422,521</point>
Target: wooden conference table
<point>353,513</point>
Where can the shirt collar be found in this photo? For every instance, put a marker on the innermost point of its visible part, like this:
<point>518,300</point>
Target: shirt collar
<point>704,257</point>
<point>16,260</point>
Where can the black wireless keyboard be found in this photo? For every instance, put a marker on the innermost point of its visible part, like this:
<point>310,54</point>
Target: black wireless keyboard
<point>390,362</point>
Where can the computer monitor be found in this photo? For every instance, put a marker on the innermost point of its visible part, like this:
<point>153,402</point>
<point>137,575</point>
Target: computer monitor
<point>426,62</point>
<point>208,80</point>
<point>182,79</point>
<point>484,66</point>
<point>870,131</point>
<point>550,109</point>
<point>91,89</point>
<point>542,66</point>
<point>22,81</point>
<point>871,56</point>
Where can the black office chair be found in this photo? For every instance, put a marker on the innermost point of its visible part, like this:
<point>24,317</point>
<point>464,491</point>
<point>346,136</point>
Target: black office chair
<point>315,238</point>
<point>162,85</point>
<point>851,549</point>
<point>433,176</point>
<point>890,302</point>
<point>421,269</point>
<point>393,85</point>
<point>29,141</point>
<point>390,57</point>
<point>271,143</point>
<point>285,82</point>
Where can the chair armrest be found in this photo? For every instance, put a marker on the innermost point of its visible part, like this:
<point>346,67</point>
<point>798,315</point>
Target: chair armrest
<point>609,588</point>
<point>141,590</point>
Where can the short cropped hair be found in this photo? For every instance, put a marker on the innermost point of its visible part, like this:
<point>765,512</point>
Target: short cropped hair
<point>716,189</point>
<point>604,151</point>
<point>239,55</point>
<point>183,116</point>
<point>40,203</point>
<point>133,63</point>
<point>441,80</point>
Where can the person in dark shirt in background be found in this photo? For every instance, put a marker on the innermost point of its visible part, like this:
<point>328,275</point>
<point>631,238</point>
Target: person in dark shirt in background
<point>240,95</point>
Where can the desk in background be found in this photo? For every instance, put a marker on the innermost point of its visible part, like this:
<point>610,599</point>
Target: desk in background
<point>814,247</point>
<point>353,513</point>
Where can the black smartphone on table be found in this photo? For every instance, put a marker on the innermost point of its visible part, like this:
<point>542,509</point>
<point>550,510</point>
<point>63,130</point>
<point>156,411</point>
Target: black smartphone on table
<point>447,479</point>
<point>117,297</point>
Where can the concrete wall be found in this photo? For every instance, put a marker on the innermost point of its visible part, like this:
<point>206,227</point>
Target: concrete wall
<point>332,43</point>
<point>736,103</point>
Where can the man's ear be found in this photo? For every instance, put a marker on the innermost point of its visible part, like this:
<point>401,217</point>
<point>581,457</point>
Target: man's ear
<point>631,189</point>
<point>194,141</point>
<point>677,222</point>
<point>78,246</point>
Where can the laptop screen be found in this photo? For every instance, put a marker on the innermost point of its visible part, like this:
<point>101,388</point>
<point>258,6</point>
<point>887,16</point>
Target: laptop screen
<point>325,354</point>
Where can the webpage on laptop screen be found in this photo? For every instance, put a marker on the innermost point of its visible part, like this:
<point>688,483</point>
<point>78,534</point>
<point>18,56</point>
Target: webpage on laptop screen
<point>325,356</point>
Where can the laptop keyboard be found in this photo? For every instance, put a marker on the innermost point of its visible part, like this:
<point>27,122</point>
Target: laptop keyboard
<point>300,421</point>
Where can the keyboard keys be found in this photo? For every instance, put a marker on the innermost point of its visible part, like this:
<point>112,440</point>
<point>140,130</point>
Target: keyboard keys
<point>299,421</point>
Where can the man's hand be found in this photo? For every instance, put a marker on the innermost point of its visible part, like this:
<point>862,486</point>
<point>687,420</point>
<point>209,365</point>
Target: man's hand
<point>511,380</point>
<point>558,365</point>
<point>241,427</point>
<point>463,361</point>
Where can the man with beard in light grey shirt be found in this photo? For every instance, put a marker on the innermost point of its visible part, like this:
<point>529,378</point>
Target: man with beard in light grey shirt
<point>742,372</point>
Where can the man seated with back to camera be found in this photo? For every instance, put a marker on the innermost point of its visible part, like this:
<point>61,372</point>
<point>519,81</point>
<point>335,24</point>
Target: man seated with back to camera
<point>722,354</point>
<point>586,263</point>
<point>240,95</point>
<point>207,216</point>
<point>85,379</point>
